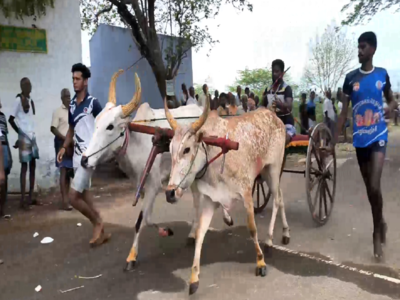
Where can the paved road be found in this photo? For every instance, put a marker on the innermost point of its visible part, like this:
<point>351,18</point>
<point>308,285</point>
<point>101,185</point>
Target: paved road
<point>325,262</point>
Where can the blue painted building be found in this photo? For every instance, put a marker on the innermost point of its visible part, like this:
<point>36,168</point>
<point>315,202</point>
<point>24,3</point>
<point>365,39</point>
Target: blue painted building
<point>111,49</point>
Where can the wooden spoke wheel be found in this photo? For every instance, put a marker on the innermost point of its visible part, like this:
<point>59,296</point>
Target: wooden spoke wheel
<point>321,174</point>
<point>261,195</point>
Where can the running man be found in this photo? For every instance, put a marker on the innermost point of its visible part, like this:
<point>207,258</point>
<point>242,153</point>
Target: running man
<point>83,110</point>
<point>364,87</point>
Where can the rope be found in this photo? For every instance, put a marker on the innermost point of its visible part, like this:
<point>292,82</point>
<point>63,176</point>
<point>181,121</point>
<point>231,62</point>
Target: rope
<point>205,168</point>
<point>105,147</point>
<point>190,168</point>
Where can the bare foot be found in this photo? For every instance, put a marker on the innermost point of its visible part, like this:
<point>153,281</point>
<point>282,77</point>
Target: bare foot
<point>97,232</point>
<point>102,239</point>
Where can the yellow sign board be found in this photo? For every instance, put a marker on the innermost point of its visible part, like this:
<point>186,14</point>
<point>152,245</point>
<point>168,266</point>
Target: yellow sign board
<point>20,39</point>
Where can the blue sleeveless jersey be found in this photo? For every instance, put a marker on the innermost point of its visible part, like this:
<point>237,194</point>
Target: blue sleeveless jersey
<point>365,91</point>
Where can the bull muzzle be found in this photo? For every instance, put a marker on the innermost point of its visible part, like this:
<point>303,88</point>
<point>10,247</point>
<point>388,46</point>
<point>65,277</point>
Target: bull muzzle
<point>84,162</point>
<point>170,195</point>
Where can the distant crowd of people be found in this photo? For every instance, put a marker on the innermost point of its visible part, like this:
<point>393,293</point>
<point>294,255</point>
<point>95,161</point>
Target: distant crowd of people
<point>224,103</point>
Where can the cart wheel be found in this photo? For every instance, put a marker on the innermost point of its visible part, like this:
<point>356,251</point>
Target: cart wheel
<point>321,174</point>
<point>260,201</point>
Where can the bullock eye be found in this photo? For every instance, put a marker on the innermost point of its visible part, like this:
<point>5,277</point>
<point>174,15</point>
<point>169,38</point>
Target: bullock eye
<point>186,151</point>
<point>110,127</point>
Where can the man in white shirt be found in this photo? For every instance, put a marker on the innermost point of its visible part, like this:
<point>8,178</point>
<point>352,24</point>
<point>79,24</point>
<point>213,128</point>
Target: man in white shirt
<point>238,96</point>
<point>329,112</point>
<point>23,113</point>
<point>191,100</point>
<point>203,96</point>
<point>59,127</point>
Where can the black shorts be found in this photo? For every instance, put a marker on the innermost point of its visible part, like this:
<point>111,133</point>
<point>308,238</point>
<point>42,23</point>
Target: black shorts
<point>364,154</point>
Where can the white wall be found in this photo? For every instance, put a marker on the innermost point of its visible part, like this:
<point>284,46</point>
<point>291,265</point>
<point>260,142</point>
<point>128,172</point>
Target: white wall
<point>49,74</point>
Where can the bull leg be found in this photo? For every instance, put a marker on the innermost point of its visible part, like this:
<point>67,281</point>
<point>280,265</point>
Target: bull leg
<point>208,209</point>
<point>195,223</point>
<point>261,269</point>
<point>272,175</point>
<point>132,257</point>
<point>145,215</point>
<point>285,225</point>
<point>191,240</point>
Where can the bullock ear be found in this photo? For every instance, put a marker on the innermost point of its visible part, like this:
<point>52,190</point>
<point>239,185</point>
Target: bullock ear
<point>199,137</point>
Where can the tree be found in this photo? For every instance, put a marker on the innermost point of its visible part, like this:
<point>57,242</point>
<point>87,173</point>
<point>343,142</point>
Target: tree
<point>257,80</point>
<point>147,18</point>
<point>25,8</point>
<point>332,56</point>
<point>366,9</point>
<point>198,89</point>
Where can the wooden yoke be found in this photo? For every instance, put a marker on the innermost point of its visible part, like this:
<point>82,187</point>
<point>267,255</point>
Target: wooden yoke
<point>161,140</point>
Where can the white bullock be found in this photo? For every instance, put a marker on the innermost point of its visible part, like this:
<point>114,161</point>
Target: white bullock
<point>112,139</point>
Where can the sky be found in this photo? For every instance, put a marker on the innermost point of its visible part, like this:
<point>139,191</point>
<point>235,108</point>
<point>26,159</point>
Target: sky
<point>280,29</point>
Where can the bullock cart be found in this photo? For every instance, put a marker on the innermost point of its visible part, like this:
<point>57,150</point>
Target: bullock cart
<point>319,173</point>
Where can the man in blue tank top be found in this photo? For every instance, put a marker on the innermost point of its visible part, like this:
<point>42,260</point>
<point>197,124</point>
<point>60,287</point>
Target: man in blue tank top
<point>364,88</point>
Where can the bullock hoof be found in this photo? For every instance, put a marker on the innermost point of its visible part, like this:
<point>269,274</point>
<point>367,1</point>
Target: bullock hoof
<point>261,271</point>
<point>267,251</point>
<point>191,241</point>
<point>228,222</point>
<point>285,240</point>
<point>193,287</point>
<point>130,266</point>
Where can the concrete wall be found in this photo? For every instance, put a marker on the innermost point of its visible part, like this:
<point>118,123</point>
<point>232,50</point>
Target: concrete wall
<point>111,49</point>
<point>49,73</point>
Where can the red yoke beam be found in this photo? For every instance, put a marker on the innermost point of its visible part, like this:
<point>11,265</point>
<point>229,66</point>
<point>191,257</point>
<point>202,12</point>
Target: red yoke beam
<point>224,144</point>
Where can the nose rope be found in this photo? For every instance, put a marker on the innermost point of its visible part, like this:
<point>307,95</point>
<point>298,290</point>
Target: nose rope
<point>105,147</point>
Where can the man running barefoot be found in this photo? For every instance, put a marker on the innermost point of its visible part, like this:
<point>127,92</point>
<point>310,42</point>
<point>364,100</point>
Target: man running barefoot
<point>364,87</point>
<point>83,110</point>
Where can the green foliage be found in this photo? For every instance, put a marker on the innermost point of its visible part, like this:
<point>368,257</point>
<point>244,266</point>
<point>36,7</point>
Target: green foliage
<point>179,18</point>
<point>257,80</point>
<point>198,89</point>
<point>183,19</point>
<point>362,9</point>
<point>25,8</point>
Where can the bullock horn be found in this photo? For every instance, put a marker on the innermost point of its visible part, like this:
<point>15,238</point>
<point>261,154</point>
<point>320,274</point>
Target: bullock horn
<point>200,122</point>
<point>172,122</point>
<point>111,94</point>
<point>127,109</point>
